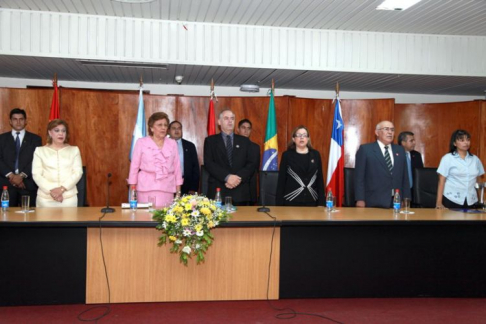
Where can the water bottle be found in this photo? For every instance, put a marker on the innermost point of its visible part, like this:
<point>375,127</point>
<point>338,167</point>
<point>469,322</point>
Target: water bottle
<point>329,201</point>
<point>217,198</point>
<point>133,198</point>
<point>396,202</point>
<point>5,199</point>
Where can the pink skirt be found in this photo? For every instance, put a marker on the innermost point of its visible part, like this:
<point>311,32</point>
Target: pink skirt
<point>162,199</point>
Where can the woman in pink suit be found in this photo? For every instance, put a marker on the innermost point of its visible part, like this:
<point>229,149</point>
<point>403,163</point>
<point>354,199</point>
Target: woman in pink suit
<point>155,167</point>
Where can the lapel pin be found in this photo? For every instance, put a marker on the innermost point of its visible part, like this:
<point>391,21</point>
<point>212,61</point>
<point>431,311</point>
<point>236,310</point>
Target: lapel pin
<point>237,146</point>
<point>312,161</point>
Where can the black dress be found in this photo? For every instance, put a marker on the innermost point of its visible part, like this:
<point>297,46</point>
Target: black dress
<point>300,179</point>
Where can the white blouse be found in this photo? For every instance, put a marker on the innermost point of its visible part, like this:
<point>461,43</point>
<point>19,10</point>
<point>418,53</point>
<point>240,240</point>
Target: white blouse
<point>52,169</point>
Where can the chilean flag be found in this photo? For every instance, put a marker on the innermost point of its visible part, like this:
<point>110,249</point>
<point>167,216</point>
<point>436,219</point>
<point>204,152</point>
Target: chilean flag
<point>335,168</point>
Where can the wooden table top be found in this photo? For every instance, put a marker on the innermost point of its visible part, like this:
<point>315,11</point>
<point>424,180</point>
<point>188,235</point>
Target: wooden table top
<point>244,216</point>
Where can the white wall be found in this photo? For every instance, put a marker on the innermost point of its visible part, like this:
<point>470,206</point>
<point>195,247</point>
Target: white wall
<point>235,92</point>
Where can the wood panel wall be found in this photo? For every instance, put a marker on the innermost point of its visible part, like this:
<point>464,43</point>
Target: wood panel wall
<point>101,124</point>
<point>433,125</point>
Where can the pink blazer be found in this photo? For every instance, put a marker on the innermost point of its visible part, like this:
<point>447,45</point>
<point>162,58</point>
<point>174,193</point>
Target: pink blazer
<point>154,168</point>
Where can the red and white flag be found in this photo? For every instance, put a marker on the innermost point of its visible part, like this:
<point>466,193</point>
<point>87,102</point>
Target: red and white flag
<point>335,168</point>
<point>55,110</point>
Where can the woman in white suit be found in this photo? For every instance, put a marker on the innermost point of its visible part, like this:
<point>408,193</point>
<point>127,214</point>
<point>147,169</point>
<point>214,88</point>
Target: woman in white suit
<point>57,168</point>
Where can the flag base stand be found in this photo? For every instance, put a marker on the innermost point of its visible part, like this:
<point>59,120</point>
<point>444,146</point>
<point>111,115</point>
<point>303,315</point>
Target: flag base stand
<point>263,210</point>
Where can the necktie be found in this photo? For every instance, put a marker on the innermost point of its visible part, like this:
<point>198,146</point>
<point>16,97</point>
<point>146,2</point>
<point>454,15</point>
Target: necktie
<point>388,160</point>
<point>409,165</point>
<point>17,151</point>
<point>229,149</point>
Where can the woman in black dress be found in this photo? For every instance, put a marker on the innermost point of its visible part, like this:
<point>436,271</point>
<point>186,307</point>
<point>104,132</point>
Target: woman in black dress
<point>300,180</point>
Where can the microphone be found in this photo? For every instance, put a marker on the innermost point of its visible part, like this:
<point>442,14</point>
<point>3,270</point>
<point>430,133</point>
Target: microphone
<point>263,209</point>
<point>108,209</point>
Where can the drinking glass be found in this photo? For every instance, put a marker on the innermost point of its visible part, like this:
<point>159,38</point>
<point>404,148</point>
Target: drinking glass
<point>228,204</point>
<point>25,204</point>
<point>406,206</point>
<point>152,200</point>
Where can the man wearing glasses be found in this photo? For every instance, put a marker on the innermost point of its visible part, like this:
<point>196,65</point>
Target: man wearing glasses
<point>381,167</point>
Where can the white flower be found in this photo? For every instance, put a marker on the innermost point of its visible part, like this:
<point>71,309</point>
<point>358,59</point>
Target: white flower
<point>199,233</point>
<point>164,225</point>
<point>216,223</point>
<point>186,232</point>
<point>187,249</point>
<point>178,242</point>
<point>195,213</point>
<point>198,246</point>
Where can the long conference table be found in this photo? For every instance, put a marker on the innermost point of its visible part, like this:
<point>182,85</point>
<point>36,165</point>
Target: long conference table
<point>54,256</point>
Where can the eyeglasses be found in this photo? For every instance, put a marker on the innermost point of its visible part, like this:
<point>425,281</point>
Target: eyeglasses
<point>301,135</point>
<point>386,129</point>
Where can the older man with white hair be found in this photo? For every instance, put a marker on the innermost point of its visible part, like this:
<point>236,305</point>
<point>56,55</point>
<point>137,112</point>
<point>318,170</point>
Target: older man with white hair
<point>381,168</point>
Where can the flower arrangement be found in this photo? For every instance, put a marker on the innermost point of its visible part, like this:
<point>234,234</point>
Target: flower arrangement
<point>187,224</point>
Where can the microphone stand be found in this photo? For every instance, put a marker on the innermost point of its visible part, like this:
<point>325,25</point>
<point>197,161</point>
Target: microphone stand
<point>263,209</point>
<point>108,209</point>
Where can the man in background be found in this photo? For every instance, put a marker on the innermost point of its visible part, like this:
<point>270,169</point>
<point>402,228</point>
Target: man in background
<point>381,168</point>
<point>16,154</point>
<point>244,129</point>
<point>188,159</point>
<point>414,159</point>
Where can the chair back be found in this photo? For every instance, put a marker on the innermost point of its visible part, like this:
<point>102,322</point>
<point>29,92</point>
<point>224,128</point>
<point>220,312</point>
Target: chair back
<point>268,188</point>
<point>425,182</point>
<point>82,192</point>
<point>349,200</point>
<point>204,181</point>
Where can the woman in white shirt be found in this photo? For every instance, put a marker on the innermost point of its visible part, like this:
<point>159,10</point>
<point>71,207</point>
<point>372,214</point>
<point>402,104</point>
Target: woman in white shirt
<point>458,171</point>
<point>57,168</point>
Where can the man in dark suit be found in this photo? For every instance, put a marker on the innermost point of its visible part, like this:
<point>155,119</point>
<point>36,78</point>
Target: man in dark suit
<point>230,161</point>
<point>414,158</point>
<point>244,129</point>
<point>16,153</point>
<point>381,167</point>
<point>188,157</point>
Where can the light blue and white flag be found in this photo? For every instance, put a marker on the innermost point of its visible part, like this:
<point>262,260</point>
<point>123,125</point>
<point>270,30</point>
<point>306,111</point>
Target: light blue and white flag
<point>140,129</point>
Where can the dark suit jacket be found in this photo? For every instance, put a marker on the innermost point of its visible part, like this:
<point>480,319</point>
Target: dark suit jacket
<point>7,157</point>
<point>373,181</point>
<point>253,180</point>
<point>287,184</point>
<point>216,163</point>
<point>191,168</point>
<point>416,159</point>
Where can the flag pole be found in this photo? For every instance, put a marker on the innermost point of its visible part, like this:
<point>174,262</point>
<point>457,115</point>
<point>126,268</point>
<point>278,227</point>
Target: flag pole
<point>273,86</point>
<point>337,88</point>
<point>141,81</point>
<point>212,88</point>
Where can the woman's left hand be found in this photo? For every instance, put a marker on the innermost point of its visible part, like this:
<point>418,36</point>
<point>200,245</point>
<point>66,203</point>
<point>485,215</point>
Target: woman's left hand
<point>56,194</point>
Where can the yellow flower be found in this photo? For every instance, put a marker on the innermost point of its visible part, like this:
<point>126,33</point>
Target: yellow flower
<point>185,222</point>
<point>178,209</point>
<point>172,238</point>
<point>188,206</point>
<point>210,224</point>
<point>205,211</point>
<point>198,227</point>
<point>170,218</point>
<point>212,207</point>
<point>185,199</point>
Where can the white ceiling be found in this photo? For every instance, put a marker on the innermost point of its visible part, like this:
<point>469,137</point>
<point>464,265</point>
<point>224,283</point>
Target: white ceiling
<point>446,17</point>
